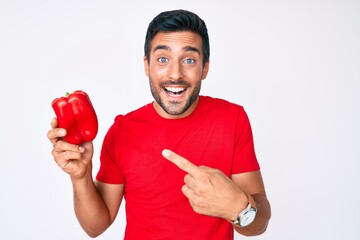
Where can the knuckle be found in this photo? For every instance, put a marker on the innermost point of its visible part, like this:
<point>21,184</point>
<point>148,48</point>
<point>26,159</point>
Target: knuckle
<point>197,204</point>
<point>205,178</point>
<point>200,192</point>
<point>196,209</point>
<point>50,134</point>
<point>54,153</point>
<point>188,178</point>
<point>61,145</point>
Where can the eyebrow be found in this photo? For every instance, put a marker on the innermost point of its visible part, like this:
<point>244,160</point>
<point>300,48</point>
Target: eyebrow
<point>192,49</point>
<point>186,48</point>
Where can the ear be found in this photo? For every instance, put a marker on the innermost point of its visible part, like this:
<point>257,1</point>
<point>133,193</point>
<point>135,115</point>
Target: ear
<point>205,70</point>
<point>146,66</point>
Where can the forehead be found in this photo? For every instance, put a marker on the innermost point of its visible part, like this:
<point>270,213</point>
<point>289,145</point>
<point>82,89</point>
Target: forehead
<point>177,40</point>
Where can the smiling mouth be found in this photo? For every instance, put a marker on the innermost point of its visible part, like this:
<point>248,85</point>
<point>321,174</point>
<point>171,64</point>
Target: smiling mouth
<point>175,91</point>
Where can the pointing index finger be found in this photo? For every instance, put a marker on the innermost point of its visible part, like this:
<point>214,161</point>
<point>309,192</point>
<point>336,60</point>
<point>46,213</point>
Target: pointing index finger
<point>181,162</point>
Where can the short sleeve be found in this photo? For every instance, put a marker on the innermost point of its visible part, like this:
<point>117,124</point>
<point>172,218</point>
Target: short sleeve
<point>244,152</point>
<point>110,170</point>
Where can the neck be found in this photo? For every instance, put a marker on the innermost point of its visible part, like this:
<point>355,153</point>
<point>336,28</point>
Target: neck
<point>166,115</point>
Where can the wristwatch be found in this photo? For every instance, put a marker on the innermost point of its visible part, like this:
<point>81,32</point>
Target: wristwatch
<point>247,215</point>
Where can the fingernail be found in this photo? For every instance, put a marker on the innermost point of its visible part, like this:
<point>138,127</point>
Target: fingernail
<point>62,132</point>
<point>166,153</point>
<point>81,149</point>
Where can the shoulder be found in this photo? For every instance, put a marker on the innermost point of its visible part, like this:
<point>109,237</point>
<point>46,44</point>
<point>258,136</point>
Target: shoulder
<point>220,106</point>
<point>137,114</point>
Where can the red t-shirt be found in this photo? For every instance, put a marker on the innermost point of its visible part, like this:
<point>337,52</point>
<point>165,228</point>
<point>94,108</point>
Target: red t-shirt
<point>217,134</point>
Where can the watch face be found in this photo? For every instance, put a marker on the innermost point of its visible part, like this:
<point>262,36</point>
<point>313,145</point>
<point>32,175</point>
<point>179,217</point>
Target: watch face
<point>248,217</point>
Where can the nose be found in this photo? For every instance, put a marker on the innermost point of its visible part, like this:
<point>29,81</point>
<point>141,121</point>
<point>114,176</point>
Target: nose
<point>175,71</point>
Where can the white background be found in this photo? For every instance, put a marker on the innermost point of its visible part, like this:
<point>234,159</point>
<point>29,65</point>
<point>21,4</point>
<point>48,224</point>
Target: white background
<point>293,65</point>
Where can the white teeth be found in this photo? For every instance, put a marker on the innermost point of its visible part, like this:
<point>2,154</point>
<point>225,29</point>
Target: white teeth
<point>175,89</point>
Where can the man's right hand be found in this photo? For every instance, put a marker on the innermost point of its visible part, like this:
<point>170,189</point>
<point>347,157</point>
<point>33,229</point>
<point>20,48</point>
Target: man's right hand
<point>73,159</point>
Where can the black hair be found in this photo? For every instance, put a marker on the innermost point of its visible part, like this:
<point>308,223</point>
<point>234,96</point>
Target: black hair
<point>178,21</point>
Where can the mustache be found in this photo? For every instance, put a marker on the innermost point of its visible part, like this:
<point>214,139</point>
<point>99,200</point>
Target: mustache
<point>175,83</point>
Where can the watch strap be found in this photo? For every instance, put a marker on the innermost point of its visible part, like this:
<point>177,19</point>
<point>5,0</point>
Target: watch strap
<point>251,200</point>
<point>251,204</point>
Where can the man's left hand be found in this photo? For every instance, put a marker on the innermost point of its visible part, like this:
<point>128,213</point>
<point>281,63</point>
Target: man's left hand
<point>210,191</point>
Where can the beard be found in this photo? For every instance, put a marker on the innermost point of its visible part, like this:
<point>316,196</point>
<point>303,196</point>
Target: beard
<point>175,107</point>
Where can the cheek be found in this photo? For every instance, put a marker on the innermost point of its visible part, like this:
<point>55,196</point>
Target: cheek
<point>156,71</point>
<point>193,74</point>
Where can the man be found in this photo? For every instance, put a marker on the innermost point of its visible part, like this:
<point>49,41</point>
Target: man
<point>185,164</point>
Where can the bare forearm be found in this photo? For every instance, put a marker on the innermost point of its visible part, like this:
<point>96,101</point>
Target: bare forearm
<point>262,217</point>
<point>90,209</point>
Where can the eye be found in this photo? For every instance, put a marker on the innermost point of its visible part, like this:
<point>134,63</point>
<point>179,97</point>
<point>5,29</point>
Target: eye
<point>163,60</point>
<point>189,61</point>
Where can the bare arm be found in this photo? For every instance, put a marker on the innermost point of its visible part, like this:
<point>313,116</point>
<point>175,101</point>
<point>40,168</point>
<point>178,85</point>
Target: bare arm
<point>211,192</point>
<point>252,183</point>
<point>95,204</point>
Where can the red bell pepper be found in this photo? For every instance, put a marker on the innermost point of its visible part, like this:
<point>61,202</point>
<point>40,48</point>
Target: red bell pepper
<point>76,114</point>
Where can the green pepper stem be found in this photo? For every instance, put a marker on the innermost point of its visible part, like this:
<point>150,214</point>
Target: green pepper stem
<point>67,94</point>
